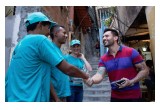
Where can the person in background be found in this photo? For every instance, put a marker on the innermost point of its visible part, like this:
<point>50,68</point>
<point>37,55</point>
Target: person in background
<point>59,80</point>
<point>97,46</point>
<point>150,80</point>
<point>120,63</point>
<point>29,72</point>
<point>77,59</point>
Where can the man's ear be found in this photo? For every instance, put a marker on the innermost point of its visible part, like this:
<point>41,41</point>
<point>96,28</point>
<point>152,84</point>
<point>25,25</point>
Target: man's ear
<point>116,38</point>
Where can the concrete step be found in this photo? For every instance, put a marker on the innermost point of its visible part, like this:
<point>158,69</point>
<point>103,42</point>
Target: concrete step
<point>94,67</point>
<point>94,62</point>
<point>93,72</point>
<point>103,84</point>
<point>96,98</point>
<point>94,91</point>
<point>98,92</point>
<point>93,59</point>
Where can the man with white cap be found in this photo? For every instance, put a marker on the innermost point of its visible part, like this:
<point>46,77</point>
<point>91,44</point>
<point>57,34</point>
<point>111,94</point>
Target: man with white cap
<point>28,75</point>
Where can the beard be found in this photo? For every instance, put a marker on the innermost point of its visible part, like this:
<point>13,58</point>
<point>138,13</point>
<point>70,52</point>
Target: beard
<point>110,43</point>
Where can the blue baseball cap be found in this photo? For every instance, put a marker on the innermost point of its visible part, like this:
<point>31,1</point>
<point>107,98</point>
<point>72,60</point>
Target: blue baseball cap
<point>73,42</point>
<point>37,17</point>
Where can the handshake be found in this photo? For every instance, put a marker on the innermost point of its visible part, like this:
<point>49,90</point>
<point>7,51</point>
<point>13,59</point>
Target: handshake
<point>89,82</point>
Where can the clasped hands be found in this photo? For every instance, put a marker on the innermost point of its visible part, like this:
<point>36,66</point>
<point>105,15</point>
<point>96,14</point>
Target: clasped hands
<point>89,82</point>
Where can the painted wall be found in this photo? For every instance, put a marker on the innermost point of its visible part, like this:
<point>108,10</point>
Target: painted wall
<point>150,15</point>
<point>12,24</point>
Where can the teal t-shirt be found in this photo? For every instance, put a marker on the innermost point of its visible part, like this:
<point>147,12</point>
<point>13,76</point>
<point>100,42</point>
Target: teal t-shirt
<point>74,81</point>
<point>60,80</point>
<point>29,72</point>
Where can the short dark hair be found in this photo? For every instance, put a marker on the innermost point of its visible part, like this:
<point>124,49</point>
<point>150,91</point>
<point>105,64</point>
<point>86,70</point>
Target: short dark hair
<point>113,31</point>
<point>54,29</point>
<point>33,26</point>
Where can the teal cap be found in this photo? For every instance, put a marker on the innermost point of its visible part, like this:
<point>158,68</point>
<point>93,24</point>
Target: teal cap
<point>73,42</point>
<point>37,17</point>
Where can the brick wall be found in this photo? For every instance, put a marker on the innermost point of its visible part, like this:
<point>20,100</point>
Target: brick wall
<point>59,14</point>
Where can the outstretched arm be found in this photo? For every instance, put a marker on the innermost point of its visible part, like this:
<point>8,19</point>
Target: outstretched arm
<point>71,70</point>
<point>97,78</point>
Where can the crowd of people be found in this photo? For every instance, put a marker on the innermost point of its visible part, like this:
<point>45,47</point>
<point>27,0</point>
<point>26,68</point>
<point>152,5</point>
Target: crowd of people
<point>40,72</point>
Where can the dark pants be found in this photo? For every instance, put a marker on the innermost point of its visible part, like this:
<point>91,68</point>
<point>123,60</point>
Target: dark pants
<point>126,100</point>
<point>76,94</point>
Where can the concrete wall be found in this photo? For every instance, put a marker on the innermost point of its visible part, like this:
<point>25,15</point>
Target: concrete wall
<point>126,15</point>
<point>9,22</point>
<point>150,15</point>
<point>15,29</point>
<point>12,24</point>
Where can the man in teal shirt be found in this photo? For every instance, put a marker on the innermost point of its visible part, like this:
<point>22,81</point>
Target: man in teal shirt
<point>29,72</point>
<point>59,80</point>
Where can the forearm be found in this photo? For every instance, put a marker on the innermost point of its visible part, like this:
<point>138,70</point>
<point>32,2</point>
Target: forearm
<point>141,74</point>
<point>88,66</point>
<point>71,70</point>
<point>97,78</point>
<point>75,72</point>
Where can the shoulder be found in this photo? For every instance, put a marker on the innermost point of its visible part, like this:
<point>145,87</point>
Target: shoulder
<point>128,50</point>
<point>36,37</point>
<point>67,55</point>
<point>104,57</point>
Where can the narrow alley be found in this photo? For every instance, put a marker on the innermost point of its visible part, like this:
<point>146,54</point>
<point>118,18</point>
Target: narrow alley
<point>135,26</point>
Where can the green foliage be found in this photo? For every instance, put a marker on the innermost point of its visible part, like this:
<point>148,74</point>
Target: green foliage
<point>108,21</point>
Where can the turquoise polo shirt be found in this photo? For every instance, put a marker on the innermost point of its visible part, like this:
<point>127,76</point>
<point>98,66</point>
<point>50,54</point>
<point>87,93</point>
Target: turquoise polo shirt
<point>29,72</point>
<point>60,80</point>
<point>74,81</point>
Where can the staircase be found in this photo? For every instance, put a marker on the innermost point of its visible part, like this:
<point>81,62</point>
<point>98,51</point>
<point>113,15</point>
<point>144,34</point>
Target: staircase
<point>98,92</point>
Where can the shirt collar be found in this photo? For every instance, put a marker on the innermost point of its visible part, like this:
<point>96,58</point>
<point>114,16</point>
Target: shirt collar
<point>120,49</point>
